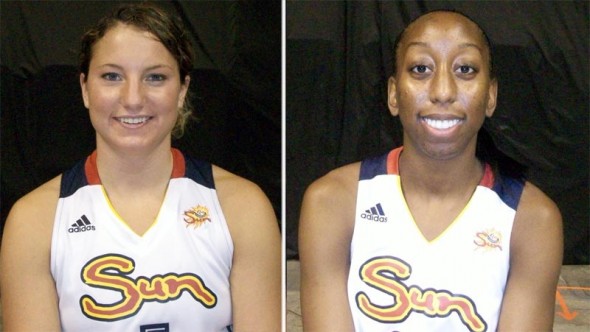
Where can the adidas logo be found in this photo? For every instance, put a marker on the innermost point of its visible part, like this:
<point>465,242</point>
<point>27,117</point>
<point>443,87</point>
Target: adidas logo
<point>375,214</point>
<point>81,225</point>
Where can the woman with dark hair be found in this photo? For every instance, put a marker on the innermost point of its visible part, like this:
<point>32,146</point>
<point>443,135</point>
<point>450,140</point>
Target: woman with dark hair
<point>139,236</point>
<point>429,237</point>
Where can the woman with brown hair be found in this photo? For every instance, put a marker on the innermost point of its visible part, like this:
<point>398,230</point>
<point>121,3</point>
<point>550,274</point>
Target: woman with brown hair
<point>139,236</point>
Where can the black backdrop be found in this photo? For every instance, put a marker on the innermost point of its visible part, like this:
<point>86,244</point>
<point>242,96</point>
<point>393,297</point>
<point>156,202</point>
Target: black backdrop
<point>339,57</point>
<point>337,63</point>
<point>236,87</point>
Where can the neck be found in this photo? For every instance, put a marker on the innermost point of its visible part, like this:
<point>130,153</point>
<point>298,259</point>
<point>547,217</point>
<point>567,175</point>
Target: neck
<point>134,171</point>
<point>440,177</point>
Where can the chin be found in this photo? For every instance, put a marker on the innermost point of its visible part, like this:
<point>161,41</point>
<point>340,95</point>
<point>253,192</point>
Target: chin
<point>135,145</point>
<point>442,151</point>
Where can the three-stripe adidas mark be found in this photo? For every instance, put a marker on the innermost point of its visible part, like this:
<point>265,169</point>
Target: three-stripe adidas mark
<point>81,225</point>
<point>375,213</point>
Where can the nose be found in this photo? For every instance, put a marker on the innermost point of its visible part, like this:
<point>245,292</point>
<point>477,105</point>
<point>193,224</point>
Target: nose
<point>443,87</point>
<point>132,95</point>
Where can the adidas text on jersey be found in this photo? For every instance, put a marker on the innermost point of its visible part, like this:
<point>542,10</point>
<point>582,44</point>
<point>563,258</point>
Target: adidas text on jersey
<point>81,225</point>
<point>375,214</point>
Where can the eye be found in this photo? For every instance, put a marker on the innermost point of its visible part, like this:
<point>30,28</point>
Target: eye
<point>419,69</point>
<point>111,76</point>
<point>156,78</point>
<point>466,70</point>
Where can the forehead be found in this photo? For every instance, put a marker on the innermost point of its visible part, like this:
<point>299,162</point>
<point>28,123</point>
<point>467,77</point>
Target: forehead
<point>439,26</point>
<point>129,41</point>
<point>120,34</point>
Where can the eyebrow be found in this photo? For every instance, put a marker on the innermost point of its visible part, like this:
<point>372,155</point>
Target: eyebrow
<point>462,45</point>
<point>146,69</point>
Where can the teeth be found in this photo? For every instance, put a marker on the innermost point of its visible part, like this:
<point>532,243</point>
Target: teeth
<point>134,120</point>
<point>441,124</point>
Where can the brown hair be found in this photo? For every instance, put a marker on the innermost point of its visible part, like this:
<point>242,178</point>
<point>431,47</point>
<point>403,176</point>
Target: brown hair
<point>165,27</point>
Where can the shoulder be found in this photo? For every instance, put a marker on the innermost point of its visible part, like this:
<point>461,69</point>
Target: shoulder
<point>236,191</point>
<point>536,253</point>
<point>256,240</point>
<point>537,224</point>
<point>29,226</point>
<point>39,204</point>
<point>25,280</point>
<point>336,187</point>
<point>536,209</point>
<point>328,207</point>
<point>245,206</point>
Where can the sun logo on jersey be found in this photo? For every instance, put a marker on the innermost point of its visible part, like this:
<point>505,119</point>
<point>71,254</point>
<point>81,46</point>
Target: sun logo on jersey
<point>400,300</point>
<point>113,273</point>
<point>488,239</point>
<point>196,216</point>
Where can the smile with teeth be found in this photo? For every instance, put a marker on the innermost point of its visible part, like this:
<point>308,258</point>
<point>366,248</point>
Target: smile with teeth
<point>135,120</point>
<point>441,124</point>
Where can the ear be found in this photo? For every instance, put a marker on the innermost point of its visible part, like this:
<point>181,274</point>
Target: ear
<point>183,90</point>
<point>492,98</point>
<point>392,96</point>
<point>84,89</point>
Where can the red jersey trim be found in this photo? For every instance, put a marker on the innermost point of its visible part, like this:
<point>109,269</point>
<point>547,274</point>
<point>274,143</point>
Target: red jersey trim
<point>178,164</point>
<point>91,169</point>
<point>393,161</point>
<point>487,180</point>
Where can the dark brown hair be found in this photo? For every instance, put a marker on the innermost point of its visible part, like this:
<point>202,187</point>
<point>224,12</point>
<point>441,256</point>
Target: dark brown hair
<point>165,27</point>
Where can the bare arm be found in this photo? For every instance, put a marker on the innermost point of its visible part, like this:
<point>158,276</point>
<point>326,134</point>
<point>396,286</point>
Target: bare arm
<point>325,232</point>
<point>256,269</point>
<point>535,263</point>
<point>29,299</point>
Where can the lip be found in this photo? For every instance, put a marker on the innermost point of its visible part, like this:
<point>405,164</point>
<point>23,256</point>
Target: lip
<point>441,125</point>
<point>133,121</point>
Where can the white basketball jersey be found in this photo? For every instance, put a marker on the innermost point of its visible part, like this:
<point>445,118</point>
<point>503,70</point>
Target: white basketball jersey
<point>400,281</point>
<point>173,278</point>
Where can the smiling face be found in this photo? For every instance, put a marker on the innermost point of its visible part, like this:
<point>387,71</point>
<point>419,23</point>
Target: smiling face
<point>442,90</point>
<point>133,90</point>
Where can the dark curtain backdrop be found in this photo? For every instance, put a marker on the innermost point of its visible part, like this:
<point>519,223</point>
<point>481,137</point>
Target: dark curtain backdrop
<point>339,57</point>
<point>236,89</point>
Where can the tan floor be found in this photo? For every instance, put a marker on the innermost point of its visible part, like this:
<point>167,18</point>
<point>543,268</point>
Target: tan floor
<point>572,307</point>
<point>293,320</point>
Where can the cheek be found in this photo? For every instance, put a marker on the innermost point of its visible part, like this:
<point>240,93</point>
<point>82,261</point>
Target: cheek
<point>166,102</point>
<point>410,95</point>
<point>101,100</point>
<point>475,99</point>
<point>166,99</point>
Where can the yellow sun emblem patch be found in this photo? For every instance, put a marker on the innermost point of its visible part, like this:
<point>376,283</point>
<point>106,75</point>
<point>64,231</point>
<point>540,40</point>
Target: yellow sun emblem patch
<point>196,216</point>
<point>488,239</point>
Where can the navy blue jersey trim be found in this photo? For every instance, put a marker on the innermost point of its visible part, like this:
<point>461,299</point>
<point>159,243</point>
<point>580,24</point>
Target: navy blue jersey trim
<point>509,190</point>
<point>199,171</point>
<point>373,167</point>
<point>73,179</point>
